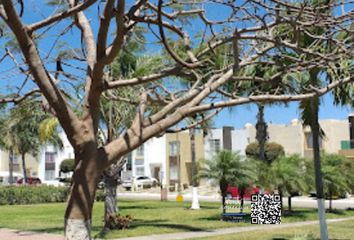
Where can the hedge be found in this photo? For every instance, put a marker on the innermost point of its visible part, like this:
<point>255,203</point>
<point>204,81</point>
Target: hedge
<point>12,195</point>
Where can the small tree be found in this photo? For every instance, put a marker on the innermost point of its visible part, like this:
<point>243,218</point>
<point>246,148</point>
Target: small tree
<point>335,176</point>
<point>67,165</point>
<point>272,151</point>
<point>228,168</point>
<point>287,175</point>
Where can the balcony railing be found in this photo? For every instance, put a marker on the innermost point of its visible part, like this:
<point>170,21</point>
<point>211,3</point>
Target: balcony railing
<point>347,144</point>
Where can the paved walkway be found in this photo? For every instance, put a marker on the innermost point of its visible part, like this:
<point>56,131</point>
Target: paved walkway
<point>223,231</point>
<point>8,234</point>
<point>303,201</point>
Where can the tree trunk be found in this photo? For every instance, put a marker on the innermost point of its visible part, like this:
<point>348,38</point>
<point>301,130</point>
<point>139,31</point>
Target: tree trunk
<point>111,183</point>
<point>195,198</point>
<point>315,129</point>
<point>261,134</point>
<point>242,200</point>
<point>223,188</point>
<point>289,203</point>
<point>281,201</point>
<point>24,168</point>
<point>110,203</point>
<point>79,208</point>
<point>11,166</point>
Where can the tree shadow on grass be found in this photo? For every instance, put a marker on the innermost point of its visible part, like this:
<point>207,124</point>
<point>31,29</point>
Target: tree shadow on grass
<point>218,217</point>
<point>158,223</point>
<point>137,207</point>
<point>297,213</point>
<point>55,230</point>
<point>210,207</point>
<point>164,223</point>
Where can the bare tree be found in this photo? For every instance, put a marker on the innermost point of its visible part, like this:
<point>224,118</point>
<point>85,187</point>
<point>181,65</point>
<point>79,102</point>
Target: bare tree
<point>247,33</point>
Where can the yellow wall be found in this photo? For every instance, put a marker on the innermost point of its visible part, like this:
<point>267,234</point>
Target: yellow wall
<point>185,153</point>
<point>31,163</point>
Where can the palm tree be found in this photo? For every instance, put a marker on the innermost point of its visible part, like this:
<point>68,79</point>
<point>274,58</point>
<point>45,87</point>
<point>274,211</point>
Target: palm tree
<point>20,130</point>
<point>195,200</point>
<point>335,176</point>
<point>287,175</point>
<point>117,115</point>
<point>261,132</point>
<point>310,109</point>
<point>205,126</point>
<point>227,168</point>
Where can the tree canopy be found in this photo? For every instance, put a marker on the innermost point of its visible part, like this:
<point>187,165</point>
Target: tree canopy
<point>60,56</point>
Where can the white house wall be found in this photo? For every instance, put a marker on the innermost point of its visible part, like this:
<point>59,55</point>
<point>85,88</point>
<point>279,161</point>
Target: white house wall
<point>213,134</point>
<point>61,154</point>
<point>240,140</point>
<point>154,155</point>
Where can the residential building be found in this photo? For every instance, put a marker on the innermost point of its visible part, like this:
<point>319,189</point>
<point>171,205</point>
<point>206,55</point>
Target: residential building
<point>179,157</point>
<point>30,161</point>
<point>347,144</point>
<point>297,139</point>
<point>149,160</point>
<point>50,158</point>
<point>222,138</point>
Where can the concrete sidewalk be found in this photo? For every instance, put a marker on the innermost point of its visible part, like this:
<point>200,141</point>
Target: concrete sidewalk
<point>9,234</point>
<point>302,201</point>
<point>224,231</point>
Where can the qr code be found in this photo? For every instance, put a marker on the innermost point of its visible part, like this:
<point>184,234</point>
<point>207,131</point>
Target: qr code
<point>265,209</point>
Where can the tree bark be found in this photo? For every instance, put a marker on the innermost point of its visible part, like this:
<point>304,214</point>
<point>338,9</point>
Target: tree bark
<point>195,200</point>
<point>24,168</point>
<point>78,214</point>
<point>11,166</point>
<point>261,134</point>
<point>281,200</point>
<point>289,203</point>
<point>315,129</point>
<point>111,184</point>
<point>223,188</point>
<point>110,203</point>
<point>242,193</point>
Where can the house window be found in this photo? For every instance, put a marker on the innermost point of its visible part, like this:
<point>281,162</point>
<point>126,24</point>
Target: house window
<point>49,165</point>
<point>309,141</point>
<point>139,171</point>
<point>15,163</point>
<point>214,145</point>
<point>173,168</point>
<point>129,162</point>
<point>174,148</point>
<point>140,151</point>
<point>139,161</point>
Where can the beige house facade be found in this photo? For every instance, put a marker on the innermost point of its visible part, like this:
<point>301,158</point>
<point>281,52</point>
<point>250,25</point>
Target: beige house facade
<point>297,139</point>
<point>31,162</point>
<point>179,157</point>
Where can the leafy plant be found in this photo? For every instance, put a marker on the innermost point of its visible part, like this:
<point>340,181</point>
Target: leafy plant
<point>118,221</point>
<point>14,195</point>
<point>272,151</point>
<point>67,165</point>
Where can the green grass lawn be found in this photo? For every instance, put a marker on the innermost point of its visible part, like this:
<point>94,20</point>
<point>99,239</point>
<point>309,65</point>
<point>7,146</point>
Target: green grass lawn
<point>338,231</point>
<point>150,217</point>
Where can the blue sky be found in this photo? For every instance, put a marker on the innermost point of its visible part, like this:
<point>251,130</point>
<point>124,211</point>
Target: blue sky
<point>238,117</point>
<point>276,114</point>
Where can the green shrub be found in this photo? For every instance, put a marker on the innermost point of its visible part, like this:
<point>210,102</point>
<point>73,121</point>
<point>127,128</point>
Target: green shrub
<point>272,151</point>
<point>11,195</point>
<point>100,195</point>
<point>67,165</point>
<point>118,221</point>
